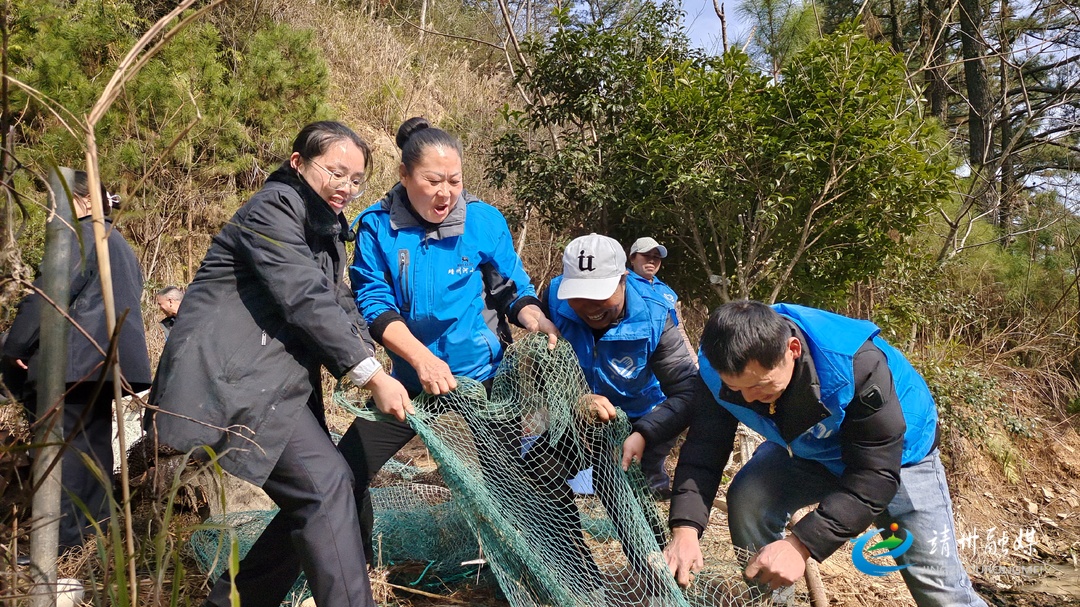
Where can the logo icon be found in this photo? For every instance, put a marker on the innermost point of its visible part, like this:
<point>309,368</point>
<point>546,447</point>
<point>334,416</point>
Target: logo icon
<point>624,366</point>
<point>582,265</point>
<point>893,546</point>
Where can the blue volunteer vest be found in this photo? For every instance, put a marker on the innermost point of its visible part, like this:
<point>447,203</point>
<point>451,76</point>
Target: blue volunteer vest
<point>617,366</point>
<point>832,341</point>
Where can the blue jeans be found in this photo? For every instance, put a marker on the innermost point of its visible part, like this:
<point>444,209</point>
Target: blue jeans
<point>773,485</point>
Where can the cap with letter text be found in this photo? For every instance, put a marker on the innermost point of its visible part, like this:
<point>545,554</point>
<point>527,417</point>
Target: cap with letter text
<point>593,265</point>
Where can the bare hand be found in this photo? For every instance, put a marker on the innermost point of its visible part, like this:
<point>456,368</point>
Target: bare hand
<point>390,396</point>
<point>19,363</point>
<point>435,376</point>
<point>683,555</point>
<point>632,449</point>
<point>778,564</point>
<point>532,318</point>
<point>601,408</point>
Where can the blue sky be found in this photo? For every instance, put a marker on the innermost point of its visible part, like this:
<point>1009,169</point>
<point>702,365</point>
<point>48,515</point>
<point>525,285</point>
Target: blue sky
<point>703,25</point>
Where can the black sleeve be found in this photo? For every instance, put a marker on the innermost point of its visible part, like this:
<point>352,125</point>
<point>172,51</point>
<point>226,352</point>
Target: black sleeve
<point>545,293</point>
<point>677,373</point>
<point>345,299</point>
<point>502,293</point>
<point>872,443</point>
<point>23,337</point>
<point>701,463</point>
<point>378,326</point>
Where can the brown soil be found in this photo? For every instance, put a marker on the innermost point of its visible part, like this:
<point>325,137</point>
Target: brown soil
<point>1037,502</point>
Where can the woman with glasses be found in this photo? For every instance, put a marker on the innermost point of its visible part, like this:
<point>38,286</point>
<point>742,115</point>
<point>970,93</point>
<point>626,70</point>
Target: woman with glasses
<point>437,278</point>
<point>241,369</point>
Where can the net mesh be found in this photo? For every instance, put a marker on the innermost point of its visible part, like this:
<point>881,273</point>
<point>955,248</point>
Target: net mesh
<point>507,458</point>
<point>211,545</point>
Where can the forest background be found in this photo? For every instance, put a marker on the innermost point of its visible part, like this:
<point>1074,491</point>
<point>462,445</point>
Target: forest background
<point>914,162</point>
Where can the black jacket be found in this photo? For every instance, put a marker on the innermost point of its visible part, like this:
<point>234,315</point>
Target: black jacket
<point>266,309</point>
<point>86,306</point>
<point>871,438</point>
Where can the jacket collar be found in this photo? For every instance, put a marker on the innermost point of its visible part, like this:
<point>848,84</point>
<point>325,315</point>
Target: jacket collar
<point>402,215</point>
<point>320,217</point>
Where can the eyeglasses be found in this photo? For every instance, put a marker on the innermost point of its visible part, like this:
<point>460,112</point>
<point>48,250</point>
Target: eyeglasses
<point>337,180</point>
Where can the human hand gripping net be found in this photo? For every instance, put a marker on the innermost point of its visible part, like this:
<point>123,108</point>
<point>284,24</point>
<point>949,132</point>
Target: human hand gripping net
<point>507,458</point>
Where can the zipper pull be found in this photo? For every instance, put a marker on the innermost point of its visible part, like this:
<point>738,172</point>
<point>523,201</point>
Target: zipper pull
<point>264,338</point>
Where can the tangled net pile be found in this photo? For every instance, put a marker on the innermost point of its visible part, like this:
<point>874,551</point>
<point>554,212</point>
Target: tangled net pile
<point>506,459</point>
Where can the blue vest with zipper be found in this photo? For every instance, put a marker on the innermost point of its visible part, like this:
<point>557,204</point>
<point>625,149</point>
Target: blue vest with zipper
<point>832,341</point>
<point>617,365</point>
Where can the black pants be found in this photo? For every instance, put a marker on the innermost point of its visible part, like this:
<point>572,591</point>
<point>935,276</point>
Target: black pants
<point>316,530</point>
<point>652,464</point>
<point>87,430</point>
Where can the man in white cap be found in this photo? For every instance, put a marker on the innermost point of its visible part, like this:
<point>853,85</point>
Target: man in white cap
<point>625,338</point>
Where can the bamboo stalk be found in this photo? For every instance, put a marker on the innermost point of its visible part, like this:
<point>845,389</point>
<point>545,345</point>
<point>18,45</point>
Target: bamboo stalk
<point>49,435</point>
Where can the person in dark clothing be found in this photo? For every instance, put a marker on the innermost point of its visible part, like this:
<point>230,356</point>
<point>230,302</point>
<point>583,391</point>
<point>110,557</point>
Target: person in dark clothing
<point>87,420</point>
<point>168,301</point>
<point>241,369</point>
<point>848,424</point>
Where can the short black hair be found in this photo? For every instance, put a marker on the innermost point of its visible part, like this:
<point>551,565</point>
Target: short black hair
<point>317,137</point>
<point>416,135</point>
<point>742,331</point>
<point>172,292</point>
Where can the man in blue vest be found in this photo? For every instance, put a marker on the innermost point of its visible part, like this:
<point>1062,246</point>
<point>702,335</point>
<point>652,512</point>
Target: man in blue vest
<point>848,425</point>
<point>625,338</point>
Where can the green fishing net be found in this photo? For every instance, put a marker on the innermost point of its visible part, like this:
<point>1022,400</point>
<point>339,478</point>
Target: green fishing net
<point>505,459</point>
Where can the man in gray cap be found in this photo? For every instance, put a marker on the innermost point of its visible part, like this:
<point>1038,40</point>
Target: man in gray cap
<point>626,341</point>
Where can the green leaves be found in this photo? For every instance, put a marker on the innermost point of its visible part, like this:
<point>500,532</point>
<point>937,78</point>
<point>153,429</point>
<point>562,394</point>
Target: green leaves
<point>792,187</point>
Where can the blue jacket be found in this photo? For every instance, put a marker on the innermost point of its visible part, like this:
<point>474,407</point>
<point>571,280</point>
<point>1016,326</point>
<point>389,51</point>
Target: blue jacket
<point>453,284</point>
<point>618,365</point>
<point>832,343</point>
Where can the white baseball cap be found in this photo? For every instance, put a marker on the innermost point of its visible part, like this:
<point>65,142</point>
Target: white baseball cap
<point>646,244</point>
<point>592,265</point>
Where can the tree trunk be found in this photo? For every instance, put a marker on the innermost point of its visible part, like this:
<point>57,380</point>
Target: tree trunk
<point>936,32</point>
<point>423,18</point>
<point>978,90</point>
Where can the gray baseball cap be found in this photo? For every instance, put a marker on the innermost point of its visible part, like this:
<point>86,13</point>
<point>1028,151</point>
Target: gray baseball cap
<point>646,244</point>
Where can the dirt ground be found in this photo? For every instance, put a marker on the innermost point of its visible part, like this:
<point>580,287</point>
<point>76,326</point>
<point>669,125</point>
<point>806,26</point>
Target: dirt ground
<point>1019,530</point>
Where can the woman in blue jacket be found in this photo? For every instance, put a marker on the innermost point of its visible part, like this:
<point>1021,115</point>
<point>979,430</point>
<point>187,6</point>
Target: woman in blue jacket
<point>436,276</point>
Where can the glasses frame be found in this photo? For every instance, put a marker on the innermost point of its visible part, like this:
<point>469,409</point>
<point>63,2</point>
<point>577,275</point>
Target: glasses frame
<point>340,181</point>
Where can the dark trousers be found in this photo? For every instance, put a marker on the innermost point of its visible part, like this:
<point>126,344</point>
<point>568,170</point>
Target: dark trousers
<point>366,446</point>
<point>87,430</point>
<point>316,530</point>
<point>652,464</point>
